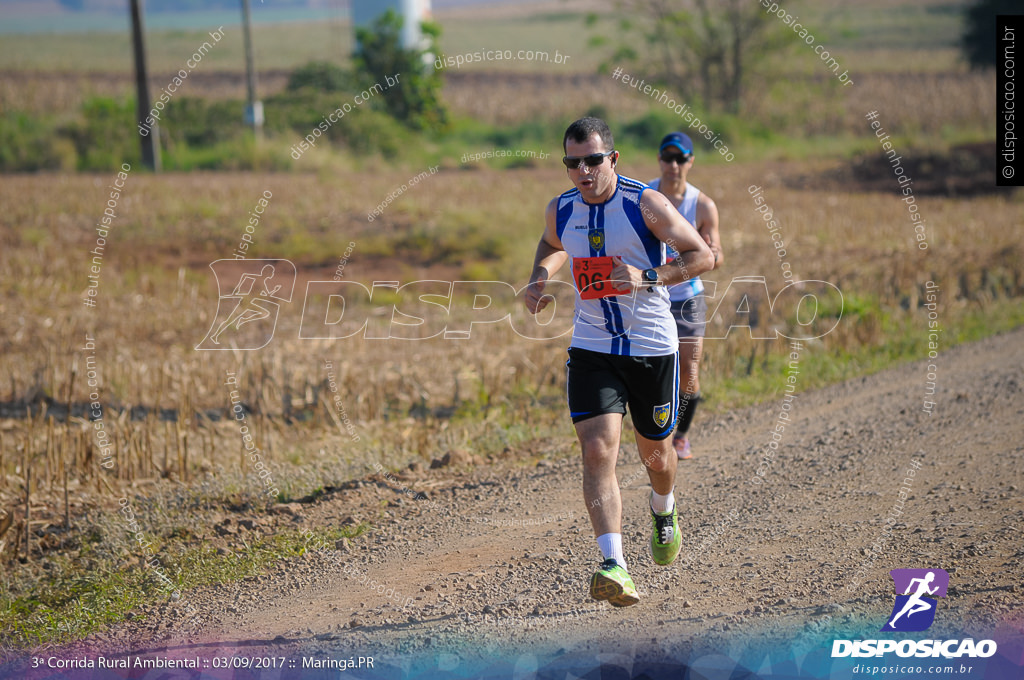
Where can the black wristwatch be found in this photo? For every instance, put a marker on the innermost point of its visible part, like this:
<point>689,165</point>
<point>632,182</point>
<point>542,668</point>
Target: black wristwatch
<point>650,277</point>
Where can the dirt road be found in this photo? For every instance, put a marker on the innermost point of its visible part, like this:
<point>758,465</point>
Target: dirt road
<point>487,576</point>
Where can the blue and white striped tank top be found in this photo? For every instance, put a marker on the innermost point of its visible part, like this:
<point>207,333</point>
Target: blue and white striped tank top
<point>636,324</point>
<point>688,209</point>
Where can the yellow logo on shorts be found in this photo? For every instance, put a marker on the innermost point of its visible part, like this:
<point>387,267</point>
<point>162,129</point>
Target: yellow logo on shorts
<point>662,413</point>
<point>596,240</point>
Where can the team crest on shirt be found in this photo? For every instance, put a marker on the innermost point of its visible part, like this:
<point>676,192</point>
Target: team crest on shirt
<point>662,413</point>
<point>596,239</point>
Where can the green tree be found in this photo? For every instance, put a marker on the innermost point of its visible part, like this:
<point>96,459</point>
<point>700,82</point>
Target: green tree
<point>381,60</point>
<point>979,37</point>
<point>704,51</point>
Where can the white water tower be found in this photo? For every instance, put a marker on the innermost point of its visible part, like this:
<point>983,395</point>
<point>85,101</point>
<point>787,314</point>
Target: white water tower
<point>365,13</point>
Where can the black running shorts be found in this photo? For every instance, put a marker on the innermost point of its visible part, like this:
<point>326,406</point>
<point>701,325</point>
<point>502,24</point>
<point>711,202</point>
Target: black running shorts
<point>607,383</point>
<point>690,316</point>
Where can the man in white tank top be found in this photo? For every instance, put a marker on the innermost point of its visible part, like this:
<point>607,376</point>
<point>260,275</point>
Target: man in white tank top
<point>689,309</point>
<point>624,348</point>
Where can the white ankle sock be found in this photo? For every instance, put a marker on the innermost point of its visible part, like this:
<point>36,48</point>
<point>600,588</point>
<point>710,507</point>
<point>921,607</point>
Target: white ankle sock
<point>611,546</point>
<point>663,504</point>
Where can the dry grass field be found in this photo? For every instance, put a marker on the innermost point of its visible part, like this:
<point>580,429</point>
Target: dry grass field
<point>407,399</point>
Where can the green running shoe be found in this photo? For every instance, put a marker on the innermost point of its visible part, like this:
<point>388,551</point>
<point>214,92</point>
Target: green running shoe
<point>666,539</point>
<point>611,582</point>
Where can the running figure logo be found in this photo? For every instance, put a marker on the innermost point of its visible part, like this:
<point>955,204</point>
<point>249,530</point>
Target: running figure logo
<point>255,299</point>
<point>914,609</point>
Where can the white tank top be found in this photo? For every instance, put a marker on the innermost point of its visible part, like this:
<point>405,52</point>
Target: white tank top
<point>636,324</point>
<point>688,209</point>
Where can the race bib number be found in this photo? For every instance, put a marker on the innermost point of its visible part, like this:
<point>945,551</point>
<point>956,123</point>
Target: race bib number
<point>592,274</point>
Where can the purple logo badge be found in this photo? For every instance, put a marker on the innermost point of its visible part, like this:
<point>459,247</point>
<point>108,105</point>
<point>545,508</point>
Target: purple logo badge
<point>916,593</point>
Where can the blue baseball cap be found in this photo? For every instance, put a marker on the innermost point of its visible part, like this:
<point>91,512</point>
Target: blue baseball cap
<point>678,140</point>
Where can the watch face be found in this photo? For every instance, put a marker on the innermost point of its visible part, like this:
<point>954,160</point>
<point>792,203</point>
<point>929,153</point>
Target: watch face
<point>650,275</point>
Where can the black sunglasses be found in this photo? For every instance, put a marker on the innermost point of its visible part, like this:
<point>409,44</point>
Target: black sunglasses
<point>594,159</point>
<point>677,157</point>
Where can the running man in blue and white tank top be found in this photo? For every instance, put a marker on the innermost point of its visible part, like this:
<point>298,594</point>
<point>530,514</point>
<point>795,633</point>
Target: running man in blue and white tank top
<point>689,309</point>
<point>624,349</point>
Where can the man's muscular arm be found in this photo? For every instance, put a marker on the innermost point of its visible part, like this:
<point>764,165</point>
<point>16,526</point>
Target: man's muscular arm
<point>548,260</point>
<point>707,227</point>
<point>671,228</point>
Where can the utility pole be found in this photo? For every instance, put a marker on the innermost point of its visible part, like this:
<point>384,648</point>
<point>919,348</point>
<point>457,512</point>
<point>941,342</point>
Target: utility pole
<point>149,137</point>
<point>254,107</point>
